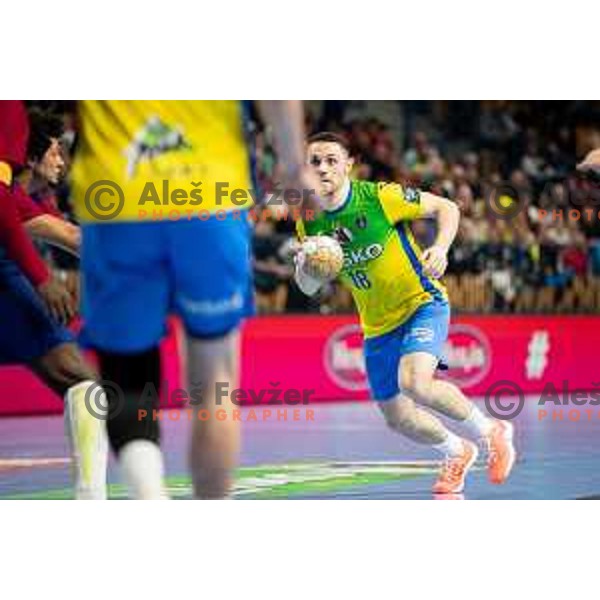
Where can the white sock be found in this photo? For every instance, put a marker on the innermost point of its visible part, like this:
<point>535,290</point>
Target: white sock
<point>86,433</point>
<point>477,423</point>
<point>141,464</point>
<point>451,446</point>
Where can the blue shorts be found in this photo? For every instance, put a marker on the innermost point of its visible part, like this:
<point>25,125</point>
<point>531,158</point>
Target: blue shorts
<point>136,274</point>
<point>28,331</point>
<point>425,331</point>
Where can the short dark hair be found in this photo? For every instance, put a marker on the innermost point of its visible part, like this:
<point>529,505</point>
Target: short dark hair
<point>44,126</point>
<point>329,136</point>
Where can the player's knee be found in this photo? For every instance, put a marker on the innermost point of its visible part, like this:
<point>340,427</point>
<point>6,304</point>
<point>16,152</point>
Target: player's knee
<point>400,413</point>
<point>64,367</point>
<point>415,385</point>
<point>132,385</point>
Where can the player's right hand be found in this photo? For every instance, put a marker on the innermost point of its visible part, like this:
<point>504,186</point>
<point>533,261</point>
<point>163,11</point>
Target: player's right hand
<point>57,298</point>
<point>309,284</point>
<point>435,261</point>
<point>299,256</point>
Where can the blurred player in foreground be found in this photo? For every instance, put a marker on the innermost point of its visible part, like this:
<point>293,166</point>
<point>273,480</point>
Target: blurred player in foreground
<point>403,308</point>
<point>144,257</point>
<point>35,307</point>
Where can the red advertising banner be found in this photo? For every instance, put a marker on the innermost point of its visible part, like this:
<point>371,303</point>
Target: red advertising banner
<point>324,354</point>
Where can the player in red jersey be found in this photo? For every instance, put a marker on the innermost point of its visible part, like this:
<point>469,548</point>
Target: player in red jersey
<point>35,306</point>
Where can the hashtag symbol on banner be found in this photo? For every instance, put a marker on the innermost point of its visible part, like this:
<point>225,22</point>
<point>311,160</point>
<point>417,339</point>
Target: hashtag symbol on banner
<point>537,357</point>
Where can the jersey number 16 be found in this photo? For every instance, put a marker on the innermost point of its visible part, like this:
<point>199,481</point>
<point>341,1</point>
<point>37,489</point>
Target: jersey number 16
<point>360,280</point>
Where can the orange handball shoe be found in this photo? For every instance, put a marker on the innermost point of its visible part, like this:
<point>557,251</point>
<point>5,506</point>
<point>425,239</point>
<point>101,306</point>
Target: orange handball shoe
<point>501,451</point>
<point>454,470</point>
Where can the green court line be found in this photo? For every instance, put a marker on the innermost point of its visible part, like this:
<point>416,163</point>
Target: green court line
<point>278,481</point>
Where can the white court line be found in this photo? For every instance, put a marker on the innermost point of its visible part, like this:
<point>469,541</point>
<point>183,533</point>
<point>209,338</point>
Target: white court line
<point>24,463</point>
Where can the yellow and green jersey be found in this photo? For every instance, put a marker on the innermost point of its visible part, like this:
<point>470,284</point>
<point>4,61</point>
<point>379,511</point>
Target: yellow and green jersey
<point>382,265</point>
<point>185,145</point>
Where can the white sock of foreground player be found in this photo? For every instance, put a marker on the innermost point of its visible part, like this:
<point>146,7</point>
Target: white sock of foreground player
<point>88,441</point>
<point>142,468</point>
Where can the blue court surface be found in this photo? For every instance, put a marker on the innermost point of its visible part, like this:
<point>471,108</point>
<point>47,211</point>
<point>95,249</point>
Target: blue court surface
<point>345,452</point>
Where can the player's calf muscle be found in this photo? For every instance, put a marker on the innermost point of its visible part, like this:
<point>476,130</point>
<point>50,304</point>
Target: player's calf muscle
<point>403,416</point>
<point>439,395</point>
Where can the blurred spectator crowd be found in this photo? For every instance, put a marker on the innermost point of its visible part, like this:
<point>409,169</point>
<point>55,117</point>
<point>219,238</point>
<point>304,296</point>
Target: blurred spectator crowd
<point>545,258</point>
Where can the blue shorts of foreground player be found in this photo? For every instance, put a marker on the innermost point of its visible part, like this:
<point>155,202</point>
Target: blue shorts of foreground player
<point>136,274</point>
<point>425,331</point>
<point>28,331</point>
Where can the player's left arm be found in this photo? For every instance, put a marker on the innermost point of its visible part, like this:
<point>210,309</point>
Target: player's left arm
<point>407,204</point>
<point>46,226</point>
<point>56,231</point>
<point>447,216</point>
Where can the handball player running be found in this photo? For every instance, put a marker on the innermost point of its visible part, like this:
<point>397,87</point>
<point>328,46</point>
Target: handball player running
<point>403,308</point>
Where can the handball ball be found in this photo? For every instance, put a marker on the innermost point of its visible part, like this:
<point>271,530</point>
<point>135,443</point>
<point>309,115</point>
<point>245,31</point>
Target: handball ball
<point>323,257</point>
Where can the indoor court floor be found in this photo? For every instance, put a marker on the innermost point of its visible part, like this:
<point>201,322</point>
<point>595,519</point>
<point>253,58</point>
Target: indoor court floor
<point>346,452</point>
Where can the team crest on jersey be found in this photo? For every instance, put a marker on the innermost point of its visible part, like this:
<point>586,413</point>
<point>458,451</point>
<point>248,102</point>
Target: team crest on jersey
<point>361,221</point>
<point>343,235</point>
<point>412,195</point>
<point>154,139</point>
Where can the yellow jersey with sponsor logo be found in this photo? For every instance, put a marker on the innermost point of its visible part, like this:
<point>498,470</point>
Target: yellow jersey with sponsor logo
<point>153,159</point>
<point>382,261</point>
